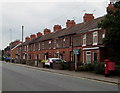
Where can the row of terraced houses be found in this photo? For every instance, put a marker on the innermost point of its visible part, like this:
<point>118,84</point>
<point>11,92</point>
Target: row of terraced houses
<point>84,37</point>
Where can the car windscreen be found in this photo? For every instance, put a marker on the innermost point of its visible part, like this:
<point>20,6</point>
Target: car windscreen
<point>57,60</point>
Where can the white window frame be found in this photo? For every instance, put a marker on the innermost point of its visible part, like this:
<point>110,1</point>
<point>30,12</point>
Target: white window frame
<point>88,55</point>
<point>95,35</point>
<point>34,47</point>
<point>103,35</point>
<point>54,44</point>
<point>57,45</point>
<point>27,47</point>
<point>84,40</point>
<point>64,39</point>
<point>55,41</point>
<point>43,45</point>
<point>49,42</point>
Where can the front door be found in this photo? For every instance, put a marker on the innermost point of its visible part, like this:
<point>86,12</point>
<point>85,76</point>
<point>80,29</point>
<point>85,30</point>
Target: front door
<point>94,57</point>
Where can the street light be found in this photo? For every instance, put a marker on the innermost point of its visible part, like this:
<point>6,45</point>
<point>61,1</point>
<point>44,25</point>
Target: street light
<point>22,45</point>
<point>10,45</point>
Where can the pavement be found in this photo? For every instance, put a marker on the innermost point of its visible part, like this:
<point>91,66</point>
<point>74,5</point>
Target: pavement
<point>79,74</point>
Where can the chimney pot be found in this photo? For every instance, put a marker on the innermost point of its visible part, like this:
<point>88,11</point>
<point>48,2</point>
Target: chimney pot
<point>57,27</point>
<point>88,17</point>
<point>70,23</point>
<point>46,31</point>
<point>39,34</point>
<point>111,7</point>
<point>32,36</point>
<point>27,38</point>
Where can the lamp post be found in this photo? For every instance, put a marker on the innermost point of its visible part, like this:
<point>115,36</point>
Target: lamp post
<point>22,45</point>
<point>10,45</point>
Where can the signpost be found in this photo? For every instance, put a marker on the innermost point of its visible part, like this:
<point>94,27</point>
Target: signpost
<point>76,52</point>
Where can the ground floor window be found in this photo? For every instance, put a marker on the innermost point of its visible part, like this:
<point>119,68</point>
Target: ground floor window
<point>88,57</point>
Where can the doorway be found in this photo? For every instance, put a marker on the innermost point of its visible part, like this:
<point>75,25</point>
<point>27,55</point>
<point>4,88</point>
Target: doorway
<point>95,57</point>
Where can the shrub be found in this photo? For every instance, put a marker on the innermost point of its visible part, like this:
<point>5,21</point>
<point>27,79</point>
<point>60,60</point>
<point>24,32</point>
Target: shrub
<point>43,61</point>
<point>90,67</point>
<point>117,67</point>
<point>99,68</point>
<point>31,62</point>
<point>83,68</point>
<point>65,65</point>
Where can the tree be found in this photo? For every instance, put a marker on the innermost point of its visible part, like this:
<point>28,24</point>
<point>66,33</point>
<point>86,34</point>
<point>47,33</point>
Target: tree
<point>111,23</point>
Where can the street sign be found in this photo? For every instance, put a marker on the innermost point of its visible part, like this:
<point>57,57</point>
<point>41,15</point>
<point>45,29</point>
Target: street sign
<point>76,51</point>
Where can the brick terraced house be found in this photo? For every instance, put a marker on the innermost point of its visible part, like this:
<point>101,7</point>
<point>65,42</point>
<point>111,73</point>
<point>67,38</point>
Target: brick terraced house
<point>11,50</point>
<point>84,37</point>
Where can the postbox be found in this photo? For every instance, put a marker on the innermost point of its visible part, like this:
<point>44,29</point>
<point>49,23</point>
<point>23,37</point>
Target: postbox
<point>109,66</point>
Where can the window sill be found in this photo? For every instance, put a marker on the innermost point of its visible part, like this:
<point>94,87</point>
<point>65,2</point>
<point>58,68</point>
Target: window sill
<point>94,43</point>
<point>83,45</point>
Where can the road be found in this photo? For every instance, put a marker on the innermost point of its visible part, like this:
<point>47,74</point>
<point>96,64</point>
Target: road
<point>19,78</point>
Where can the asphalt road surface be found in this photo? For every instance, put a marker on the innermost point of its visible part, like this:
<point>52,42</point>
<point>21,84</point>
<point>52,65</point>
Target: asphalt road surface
<point>19,78</point>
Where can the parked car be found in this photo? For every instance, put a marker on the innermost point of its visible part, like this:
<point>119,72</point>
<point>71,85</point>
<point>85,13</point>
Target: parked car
<point>49,61</point>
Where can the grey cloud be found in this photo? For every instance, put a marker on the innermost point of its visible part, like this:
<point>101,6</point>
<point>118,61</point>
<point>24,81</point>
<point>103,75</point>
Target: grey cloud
<point>37,16</point>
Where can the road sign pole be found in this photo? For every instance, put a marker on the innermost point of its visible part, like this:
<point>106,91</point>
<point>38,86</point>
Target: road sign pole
<point>75,62</point>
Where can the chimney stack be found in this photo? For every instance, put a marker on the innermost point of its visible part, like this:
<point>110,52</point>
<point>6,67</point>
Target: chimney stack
<point>57,27</point>
<point>39,34</point>
<point>88,17</point>
<point>27,38</point>
<point>111,7</point>
<point>70,23</point>
<point>46,31</point>
<point>32,36</point>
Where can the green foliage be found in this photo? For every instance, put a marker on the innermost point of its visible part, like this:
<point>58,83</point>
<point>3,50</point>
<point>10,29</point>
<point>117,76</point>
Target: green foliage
<point>82,68</point>
<point>99,68</point>
<point>87,67</point>
<point>43,61</point>
<point>31,62</point>
<point>90,67</point>
<point>117,4</point>
<point>111,23</point>
<point>117,67</point>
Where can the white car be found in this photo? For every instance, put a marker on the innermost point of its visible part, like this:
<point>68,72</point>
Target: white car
<point>51,60</point>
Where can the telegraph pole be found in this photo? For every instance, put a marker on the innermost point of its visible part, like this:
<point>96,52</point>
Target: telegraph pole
<point>22,45</point>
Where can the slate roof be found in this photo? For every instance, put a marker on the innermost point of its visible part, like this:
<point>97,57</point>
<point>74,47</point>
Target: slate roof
<point>76,29</point>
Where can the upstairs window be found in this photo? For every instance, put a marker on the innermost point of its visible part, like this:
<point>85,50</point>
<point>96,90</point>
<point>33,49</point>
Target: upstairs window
<point>71,41</point>
<point>103,35</point>
<point>49,42</point>
<point>42,45</point>
<point>27,47</point>
<point>54,44</point>
<point>95,38</point>
<point>64,40</point>
<point>39,46</point>
<point>33,47</point>
<point>84,40</point>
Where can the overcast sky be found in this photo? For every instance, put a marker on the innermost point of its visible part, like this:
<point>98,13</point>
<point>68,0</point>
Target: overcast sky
<point>36,16</point>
